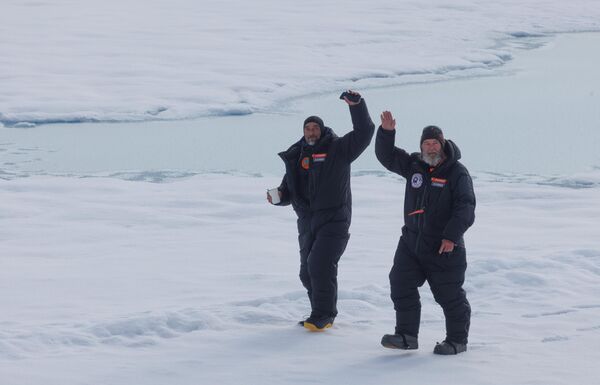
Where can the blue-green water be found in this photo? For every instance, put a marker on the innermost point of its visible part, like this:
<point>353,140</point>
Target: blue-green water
<point>539,115</point>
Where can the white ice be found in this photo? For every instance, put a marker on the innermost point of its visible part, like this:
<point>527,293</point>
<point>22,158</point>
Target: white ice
<point>195,282</point>
<point>115,60</point>
<point>117,280</point>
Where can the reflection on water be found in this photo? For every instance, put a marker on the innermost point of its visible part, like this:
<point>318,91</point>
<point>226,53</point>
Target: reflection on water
<point>542,116</point>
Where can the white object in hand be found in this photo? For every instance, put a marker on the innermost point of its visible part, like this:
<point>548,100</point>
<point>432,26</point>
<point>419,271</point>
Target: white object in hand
<point>274,194</point>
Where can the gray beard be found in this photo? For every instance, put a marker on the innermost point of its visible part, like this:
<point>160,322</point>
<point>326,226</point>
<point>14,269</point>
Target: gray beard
<point>432,160</point>
<point>311,142</point>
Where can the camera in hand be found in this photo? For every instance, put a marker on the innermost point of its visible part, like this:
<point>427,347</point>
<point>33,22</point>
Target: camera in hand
<point>354,98</point>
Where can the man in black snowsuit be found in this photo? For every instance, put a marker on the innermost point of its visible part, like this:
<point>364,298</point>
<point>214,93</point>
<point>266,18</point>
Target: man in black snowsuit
<point>317,184</point>
<point>439,206</point>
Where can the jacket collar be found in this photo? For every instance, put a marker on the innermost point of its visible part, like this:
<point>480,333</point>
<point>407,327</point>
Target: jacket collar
<point>292,153</point>
<point>452,155</point>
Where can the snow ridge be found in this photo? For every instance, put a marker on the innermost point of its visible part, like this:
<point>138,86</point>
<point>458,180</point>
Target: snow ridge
<point>117,61</point>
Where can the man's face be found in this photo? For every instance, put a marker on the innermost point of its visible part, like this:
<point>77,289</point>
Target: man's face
<point>312,133</point>
<point>431,152</point>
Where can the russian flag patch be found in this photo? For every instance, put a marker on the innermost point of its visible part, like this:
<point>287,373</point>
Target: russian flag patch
<point>438,182</point>
<point>319,157</point>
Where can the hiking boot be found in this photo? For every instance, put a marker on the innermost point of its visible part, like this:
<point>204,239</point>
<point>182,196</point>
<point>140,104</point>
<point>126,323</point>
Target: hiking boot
<point>318,324</point>
<point>400,341</point>
<point>448,348</point>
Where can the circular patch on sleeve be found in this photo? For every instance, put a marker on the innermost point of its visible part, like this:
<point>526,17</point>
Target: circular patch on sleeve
<point>416,181</point>
<point>305,163</point>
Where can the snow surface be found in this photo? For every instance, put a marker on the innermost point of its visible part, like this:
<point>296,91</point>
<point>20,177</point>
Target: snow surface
<point>113,279</point>
<point>137,60</point>
<point>194,281</point>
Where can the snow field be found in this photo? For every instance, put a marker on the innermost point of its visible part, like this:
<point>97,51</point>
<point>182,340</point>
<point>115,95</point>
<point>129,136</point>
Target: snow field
<point>195,280</point>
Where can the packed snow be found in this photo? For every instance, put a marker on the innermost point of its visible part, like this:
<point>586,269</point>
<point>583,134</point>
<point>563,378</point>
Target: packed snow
<point>195,281</point>
<point>139,60</point>
<point>171,275</point>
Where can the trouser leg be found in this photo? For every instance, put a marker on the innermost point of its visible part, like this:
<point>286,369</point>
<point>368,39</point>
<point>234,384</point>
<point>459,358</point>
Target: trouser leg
<point>306,241</point>
<point>406,277</point>
<point>446,275</point>
<point>323,260</point>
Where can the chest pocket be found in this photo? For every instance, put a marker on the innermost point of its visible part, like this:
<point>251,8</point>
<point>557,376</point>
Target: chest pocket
<point>440,196</point>
<point>317,163</point>
<point>319,159</point>
<point>316,166</point>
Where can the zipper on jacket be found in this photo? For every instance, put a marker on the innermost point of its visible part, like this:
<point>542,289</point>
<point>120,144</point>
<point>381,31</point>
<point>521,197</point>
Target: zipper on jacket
<point>421,219</point>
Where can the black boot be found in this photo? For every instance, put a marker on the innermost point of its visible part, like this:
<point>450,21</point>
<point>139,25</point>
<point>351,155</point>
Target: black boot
<point>448,348</point>
<point>400,341</point>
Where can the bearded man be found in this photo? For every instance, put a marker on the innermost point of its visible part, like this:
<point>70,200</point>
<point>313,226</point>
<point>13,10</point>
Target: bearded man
<point>317,185</point>
<point>439,206</point>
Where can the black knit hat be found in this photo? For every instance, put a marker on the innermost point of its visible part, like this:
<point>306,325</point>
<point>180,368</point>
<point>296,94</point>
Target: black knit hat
<point>433,132</point>
<point>314,119</point>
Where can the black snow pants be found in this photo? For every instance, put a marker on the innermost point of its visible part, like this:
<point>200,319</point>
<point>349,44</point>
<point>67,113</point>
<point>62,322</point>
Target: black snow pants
<point>323,236</point>
<point>445,274</point>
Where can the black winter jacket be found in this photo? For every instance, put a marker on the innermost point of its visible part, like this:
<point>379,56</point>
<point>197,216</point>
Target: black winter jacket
<point>438,204</point>
<point>329,165</point>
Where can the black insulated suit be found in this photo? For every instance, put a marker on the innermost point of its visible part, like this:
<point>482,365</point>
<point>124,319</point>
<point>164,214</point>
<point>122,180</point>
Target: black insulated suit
<point>317,185</point>
<point>439,204</point>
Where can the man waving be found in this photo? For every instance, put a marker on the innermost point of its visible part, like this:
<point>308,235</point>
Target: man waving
<point>439,206</point>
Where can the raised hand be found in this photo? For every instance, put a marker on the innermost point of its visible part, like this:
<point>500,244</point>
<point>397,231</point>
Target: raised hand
<point>387,121</point>
<point>350,102</point>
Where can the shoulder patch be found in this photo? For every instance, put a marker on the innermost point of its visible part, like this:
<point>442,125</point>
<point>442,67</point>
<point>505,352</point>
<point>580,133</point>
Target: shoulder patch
<point>416,180</point>
<point>305,163</point>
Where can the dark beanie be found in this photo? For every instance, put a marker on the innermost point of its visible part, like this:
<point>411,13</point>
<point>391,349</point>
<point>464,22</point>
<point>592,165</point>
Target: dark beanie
<point>433,132</point>
<point>314,119</point>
